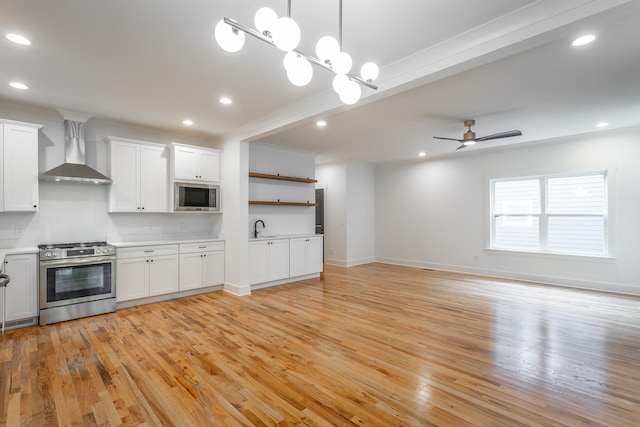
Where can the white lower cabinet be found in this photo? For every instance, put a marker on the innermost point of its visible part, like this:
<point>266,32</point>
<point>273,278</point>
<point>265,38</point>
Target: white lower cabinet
<point>22,290</point>
<point>305,256</point>
<point>144,271</point>
<point>201,265</point>
<point>269,260</point>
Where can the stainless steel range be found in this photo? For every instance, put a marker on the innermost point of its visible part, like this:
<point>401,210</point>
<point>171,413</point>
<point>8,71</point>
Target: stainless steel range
<point>76,280</point>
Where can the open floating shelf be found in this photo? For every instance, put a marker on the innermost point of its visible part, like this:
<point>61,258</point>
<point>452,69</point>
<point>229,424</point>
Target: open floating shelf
<point>279,203</point>
<point>281,177</point>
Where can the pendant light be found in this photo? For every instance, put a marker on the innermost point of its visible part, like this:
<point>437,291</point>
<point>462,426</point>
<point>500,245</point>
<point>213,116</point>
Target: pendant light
<point>284,33</point>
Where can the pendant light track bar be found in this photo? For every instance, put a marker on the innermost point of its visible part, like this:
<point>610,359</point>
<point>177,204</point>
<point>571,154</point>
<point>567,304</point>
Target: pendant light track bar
<point>309,58</point>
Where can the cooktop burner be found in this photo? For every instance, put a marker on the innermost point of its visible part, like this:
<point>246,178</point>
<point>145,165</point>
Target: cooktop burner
<point>71,245</point>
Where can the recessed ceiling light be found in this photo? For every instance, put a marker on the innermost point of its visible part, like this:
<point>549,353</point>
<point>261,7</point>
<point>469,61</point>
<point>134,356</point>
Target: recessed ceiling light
<point>187,122</point>
<point>602,125</point>
<point>321,123</point>
<point>17,38</point>
<point>18,85</point>
<point>583,40</point>
<point>226,101</point>
<point>422,154</point>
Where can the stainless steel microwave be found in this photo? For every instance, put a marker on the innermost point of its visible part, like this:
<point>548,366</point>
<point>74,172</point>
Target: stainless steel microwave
<point>196,197</point>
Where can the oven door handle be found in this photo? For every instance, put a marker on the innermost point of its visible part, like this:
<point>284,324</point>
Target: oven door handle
<point>76,261</point>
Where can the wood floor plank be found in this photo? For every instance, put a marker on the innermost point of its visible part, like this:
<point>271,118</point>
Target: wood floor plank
<point>373,345</point>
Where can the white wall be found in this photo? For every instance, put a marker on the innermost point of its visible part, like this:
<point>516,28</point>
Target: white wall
<point>434,213</point>
<point>279,220</point>
<point>349,212</point>
<point>235,155</point>
<point>78,212</point>
<point>360,213</point>
<point>333,178</point>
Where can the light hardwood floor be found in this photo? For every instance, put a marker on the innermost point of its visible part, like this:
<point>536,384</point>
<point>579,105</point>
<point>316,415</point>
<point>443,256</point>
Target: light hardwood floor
<point>373,345</point>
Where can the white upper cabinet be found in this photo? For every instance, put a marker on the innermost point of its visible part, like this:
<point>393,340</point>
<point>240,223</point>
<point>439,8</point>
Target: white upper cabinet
<point>191,163</point>
<point>139,171</point>
<point>18,167</point>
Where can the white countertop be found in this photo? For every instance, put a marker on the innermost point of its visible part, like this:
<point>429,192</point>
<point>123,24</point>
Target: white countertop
<point>285,236</point>
<point>5,252</point>
<point>161,242</point>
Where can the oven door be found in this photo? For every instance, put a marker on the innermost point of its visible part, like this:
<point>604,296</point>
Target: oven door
<point>71,281</point>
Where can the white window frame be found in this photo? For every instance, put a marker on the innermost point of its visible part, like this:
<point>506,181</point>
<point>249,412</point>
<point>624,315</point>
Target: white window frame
<point>544,216</point>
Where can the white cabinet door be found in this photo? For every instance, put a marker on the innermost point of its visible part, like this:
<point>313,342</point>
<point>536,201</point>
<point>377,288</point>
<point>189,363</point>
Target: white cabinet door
<point>22,291</point>
<point>279,259</point>
<point>305,256</point>
<point>195,164</point>
<point>20,162</point>
<point>186,163</point>
<point>297,257</point>
<point>313,255</point>
<point>190,271</point>
<point>139,171</point>
<point>153,179</point>
<point>269,260</point>
<point>163,274</point>
<point>210,166</point>
<point>132,279</point>
<point>258,262</point>
<point>213,268</point>
<point>124,191</point>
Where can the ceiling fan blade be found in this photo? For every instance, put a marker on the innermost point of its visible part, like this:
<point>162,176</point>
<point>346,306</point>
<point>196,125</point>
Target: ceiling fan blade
<point>448,139</point>
<point>507,134</point>
<point>461,147</point>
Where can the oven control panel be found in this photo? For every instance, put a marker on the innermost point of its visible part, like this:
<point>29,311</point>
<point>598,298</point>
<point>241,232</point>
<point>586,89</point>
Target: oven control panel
<point>51,253</point>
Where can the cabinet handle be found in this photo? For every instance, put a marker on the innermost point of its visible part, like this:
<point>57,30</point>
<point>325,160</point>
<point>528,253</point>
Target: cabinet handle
<point>35,206</point>
<point>149,251</point>
<point>151,260</point>
<point>202,247</point>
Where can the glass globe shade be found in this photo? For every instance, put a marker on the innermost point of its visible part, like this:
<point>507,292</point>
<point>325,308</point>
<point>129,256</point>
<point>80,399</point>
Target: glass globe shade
<point>229,38</point>
<point>265,19</point>
<point>339,82</point>
<point>369,72</point>
<point>341,63</point>
<point>289,60</point>
<point>350,93</point>
<point>286,34</point>
<point>301,72</point>
<point>326,48</point>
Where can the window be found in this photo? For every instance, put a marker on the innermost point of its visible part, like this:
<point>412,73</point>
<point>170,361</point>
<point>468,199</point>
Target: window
<point>556,214</point>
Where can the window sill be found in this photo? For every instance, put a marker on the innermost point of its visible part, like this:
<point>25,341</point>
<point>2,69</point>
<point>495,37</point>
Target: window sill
<point>607,259</point>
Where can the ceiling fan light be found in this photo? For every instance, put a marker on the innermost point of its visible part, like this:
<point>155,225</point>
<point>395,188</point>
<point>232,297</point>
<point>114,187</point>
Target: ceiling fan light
<point>229,38</point>
<point>369,72</point>
<point>341,63</point>
<point>469,142</point>
<point>265,19</point>
<point>326,48</point>
<point>350,93</point>
<point>286,34</point>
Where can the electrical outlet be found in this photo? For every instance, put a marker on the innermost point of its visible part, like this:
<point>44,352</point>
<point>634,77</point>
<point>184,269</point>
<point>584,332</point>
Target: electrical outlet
<point>19,230</point>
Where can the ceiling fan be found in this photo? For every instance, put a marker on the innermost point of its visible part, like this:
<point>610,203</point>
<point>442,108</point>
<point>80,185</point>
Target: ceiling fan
<point>469,137</point>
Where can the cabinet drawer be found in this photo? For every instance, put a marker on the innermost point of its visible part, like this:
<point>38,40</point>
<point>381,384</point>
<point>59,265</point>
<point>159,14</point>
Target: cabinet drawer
<point>146,251</point>
<point>186,248</point>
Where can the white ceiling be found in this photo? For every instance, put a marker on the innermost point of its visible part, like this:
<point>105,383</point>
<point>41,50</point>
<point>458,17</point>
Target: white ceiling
<point>505,63</point>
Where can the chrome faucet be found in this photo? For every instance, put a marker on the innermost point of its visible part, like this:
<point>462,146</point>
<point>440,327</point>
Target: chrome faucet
<point>255,228</point>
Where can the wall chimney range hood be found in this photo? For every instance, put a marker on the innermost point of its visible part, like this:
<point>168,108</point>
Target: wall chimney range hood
<point>74,169</point>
